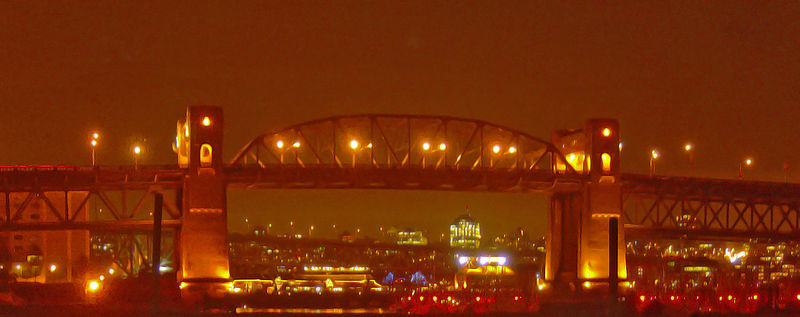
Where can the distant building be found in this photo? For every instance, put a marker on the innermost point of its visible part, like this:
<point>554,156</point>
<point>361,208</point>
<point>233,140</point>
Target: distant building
<point>516,240</point>
<point>465,233</point>
<point>347,237</point>
<point>411,237</point>
<point>391,234</point>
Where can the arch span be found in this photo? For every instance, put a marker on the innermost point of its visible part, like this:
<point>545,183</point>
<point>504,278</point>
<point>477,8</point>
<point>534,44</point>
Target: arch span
<point>396,151</point>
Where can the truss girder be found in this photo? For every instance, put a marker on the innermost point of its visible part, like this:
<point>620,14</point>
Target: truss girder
<point>712,207</point>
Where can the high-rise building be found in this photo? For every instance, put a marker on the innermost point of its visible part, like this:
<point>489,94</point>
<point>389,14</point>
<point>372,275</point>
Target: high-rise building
<point>465,233</point>
<point>46,256</point>
<point>411,237</point>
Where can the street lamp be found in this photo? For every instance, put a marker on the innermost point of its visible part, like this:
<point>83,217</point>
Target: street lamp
<point>354,147</point>
<point>136,151</point>
<point>689,149</point>
<point>279,144</point>
<point>653,157</point>
<point>93,142</point>
<point>747,162</point>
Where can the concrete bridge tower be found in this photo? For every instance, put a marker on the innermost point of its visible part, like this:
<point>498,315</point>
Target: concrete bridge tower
<point>204,227</point>
<point>578,219</point>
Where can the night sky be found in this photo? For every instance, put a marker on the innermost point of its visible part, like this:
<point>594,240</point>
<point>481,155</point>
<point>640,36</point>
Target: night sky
<point>723,75</point>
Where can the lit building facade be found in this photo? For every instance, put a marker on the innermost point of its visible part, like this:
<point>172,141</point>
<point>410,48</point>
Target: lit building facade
<point>45,256</point>
<point>411,237</point>
<point>465,233</point>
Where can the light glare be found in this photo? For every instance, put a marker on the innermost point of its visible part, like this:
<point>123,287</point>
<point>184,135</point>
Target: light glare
<point>353,144</point>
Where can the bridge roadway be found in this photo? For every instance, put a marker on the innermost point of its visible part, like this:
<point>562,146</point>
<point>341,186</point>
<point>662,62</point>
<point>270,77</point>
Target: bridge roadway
<point>654,206</point>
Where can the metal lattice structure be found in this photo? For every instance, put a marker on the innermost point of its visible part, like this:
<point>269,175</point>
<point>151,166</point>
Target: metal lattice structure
<point>399,151</point>
<point>710,208</point>
<point>113,204</point>
<point>124,193</point>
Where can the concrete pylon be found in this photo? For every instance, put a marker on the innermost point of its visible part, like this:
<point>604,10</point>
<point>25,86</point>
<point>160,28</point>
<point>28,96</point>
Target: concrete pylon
<point>204,226</point>
<point>578,218</point>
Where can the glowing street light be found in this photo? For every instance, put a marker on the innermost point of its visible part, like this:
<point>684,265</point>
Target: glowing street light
<point>689,149</point>
<point>426,146</point>
<point>442,146</point>
<point>496,149</point>
<point>94,142</point>
<point>206,121</point>
<point>93,286</point>
<point>296,144</point>
<point>747,162</point>
<point>620,146</point>
<point>52,268</point>
<point>606,132</point>
<point>279,144</point>
<point>653,156</point>
<point>512,150</point>
<point>354,147</point>
<point>136,151</point>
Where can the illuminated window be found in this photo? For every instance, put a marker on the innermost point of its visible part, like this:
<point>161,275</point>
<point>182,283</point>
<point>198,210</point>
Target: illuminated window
<point>205,155</point>
<point>606,158</point>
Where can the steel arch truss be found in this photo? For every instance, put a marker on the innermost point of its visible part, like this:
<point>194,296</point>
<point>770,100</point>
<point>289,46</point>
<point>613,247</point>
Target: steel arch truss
<point>382,148</point>
<point>689,207</point>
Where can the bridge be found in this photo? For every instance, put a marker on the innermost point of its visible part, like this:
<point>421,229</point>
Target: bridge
<point>577,169</point>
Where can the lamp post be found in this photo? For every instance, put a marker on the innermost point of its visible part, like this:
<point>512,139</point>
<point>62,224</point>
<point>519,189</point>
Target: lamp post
<point>279,144</point>
<point>689,148</point>
<point>747,162</point>
<point>354,147</point>
<point>94,142</point>
<point>136,151</point>
<point>653,157</point>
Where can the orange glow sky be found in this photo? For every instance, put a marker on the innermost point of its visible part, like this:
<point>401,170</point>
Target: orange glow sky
<point>723,75</point>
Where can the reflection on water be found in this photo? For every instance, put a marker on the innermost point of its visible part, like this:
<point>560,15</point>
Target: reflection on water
<point>246,310</point>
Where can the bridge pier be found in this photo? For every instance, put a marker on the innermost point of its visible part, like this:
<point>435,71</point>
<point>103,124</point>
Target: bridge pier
<point>577,259</point>
<point>204,226</point>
